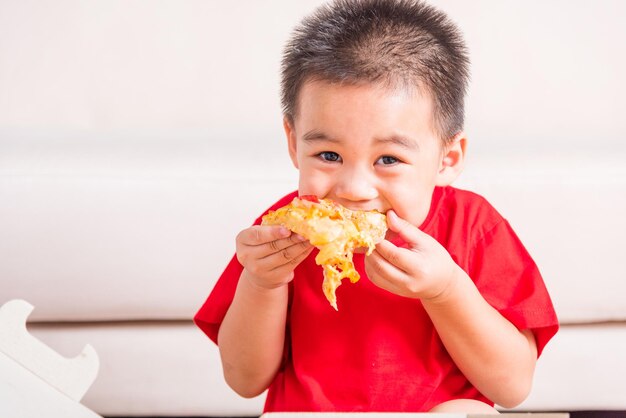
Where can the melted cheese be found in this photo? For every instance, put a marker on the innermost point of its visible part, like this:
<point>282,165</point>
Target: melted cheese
<point>336,231</point>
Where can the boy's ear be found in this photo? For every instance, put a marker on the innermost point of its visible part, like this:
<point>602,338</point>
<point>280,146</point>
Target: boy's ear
<point>290,132</point>
<point>453,160</point>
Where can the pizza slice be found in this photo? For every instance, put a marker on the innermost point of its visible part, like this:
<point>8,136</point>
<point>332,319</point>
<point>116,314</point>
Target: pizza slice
<point>336,231</point>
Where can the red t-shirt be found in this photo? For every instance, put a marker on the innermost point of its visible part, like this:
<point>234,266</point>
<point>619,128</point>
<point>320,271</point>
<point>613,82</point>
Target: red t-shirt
<point>381,352</point>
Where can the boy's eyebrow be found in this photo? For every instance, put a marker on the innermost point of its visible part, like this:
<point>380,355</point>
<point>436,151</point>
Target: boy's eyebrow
<point>403,141</point>
<point>315,135</point>
<point>400,140</point>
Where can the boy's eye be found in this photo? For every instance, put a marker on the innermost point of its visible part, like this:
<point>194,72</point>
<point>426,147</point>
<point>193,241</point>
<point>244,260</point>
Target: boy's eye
<point>329,156</point>
<point>388,160</point>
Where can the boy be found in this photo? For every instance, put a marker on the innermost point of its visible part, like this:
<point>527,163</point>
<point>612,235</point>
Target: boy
<point>451,313</point>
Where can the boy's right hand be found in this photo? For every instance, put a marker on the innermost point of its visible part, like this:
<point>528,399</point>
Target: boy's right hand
<point>270,254</point>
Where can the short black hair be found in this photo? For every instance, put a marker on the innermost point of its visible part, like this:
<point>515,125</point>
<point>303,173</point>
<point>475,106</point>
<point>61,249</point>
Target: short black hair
<point>398,43</point>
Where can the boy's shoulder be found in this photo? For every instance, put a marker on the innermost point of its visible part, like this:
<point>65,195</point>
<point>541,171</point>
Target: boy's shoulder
<point>454,208</point>
<point>461,197</point>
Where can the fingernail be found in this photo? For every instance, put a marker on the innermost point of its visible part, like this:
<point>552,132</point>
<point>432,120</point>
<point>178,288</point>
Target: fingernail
<point>284,232</point>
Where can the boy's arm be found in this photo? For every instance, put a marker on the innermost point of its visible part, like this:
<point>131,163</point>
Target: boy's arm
<point>493,354</point>
<point>252,334</point>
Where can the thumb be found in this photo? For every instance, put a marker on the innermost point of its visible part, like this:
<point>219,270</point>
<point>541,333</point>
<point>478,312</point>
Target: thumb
<point>405,230</point>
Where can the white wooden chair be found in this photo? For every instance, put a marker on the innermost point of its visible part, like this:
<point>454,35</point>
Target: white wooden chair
<point>35,380</point>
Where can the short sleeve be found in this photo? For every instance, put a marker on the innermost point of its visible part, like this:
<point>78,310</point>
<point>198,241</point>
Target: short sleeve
<point>211,314</point>
<point>510,281</point>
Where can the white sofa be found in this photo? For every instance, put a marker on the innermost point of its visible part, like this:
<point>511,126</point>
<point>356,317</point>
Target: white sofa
<point>137,139</point>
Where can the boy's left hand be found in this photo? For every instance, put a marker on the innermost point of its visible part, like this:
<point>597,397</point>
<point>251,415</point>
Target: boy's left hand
<point>423,270</point>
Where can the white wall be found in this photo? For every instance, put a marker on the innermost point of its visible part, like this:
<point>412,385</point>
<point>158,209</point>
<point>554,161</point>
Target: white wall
<point>548,73</point>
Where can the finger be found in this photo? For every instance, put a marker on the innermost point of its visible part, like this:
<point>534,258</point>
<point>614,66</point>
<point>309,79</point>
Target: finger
<point>286,261</point>
<point>262,234</point>
<point>383,274</point>
<point>293,263</point>
<point>406,230</point>
<point>247,252</point>
<point>288,251</point>
<point>401,258</point>
<point>280,246</point>
<point>260,241</point>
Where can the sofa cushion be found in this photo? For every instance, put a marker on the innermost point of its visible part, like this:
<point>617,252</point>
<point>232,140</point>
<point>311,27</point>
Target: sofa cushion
<point>128,229</point>
<point>188,380</point>
<point>136,227</point>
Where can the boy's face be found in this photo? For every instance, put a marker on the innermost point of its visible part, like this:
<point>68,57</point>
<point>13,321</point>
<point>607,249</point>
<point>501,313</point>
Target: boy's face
<point>367,147</point>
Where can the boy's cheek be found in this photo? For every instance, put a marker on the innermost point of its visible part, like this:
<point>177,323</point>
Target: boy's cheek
<point>312,185</point>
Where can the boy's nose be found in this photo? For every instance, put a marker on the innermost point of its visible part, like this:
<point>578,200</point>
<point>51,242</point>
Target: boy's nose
<point>355,186</point>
